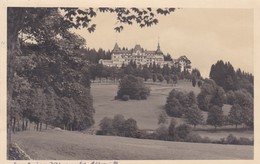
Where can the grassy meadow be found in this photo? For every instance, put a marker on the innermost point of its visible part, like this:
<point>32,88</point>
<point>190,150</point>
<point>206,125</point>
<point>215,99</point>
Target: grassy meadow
<point>146,112</point>
<point>69,145</point>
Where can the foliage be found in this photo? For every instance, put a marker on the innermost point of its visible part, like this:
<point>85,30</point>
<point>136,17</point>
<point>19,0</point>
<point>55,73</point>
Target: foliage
<point>231,139</point>
<point>215,116</point>
<point>225,76</point>
<point>154,77</point>
<point>211,94</point>
<point>245,101</point>
<point>118,126</point>
<point>130,127</point>
<point>162,133</point>
<point>134,87</point>
<point>125,97</point>
<point>160,77</point>
<point>196,73</point>
<point>183,131</point>
<point>199,83</point>
<point>235,116</point>
<point>106,125</point>
<point>171,129</point>
<point>162,119</point>
<point>194,81</point>
<point>194,116</point>
<point>178,102</point>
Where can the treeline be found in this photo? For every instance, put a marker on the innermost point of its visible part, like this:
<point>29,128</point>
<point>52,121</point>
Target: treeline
<point>93,55</point>
<point>153,72</point>
<point>225,76</point>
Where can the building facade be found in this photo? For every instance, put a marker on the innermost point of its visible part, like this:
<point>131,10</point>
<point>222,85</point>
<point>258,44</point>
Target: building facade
<point>143,57</point>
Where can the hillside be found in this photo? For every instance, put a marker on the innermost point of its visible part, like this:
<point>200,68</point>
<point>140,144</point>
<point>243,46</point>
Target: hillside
<point>66,145</point>
<point>146,112</point>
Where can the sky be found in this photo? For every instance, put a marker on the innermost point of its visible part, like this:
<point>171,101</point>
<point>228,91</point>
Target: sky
<point>203,35</point>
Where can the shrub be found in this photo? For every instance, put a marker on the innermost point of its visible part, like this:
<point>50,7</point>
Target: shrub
<point>231,139</point>
<point>162,133</point>
<point>193,137</point>
<point>206,140</point>
<point>134,87</point>
<point>118,124</point>
<point>171,129</point>
<point>106,126</point>
<point>160,77</point>
<point>125,97</point>
<point>130,128</point>
<point>245,141</point>
<point>183,131</point>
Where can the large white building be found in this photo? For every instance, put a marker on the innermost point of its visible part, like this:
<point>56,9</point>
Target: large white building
<point>143,57</point>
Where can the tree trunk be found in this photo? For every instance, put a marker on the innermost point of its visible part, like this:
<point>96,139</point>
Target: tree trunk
<point>26,126</point>
<point>18,125</point>
<point>40,126</point>
<point>37,126</point>
<point>23,126</point>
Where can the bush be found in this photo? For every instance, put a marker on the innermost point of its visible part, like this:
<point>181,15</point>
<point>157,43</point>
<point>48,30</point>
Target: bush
<point>118,126</point>
<point>231,139</point>
<point>193,137</point>
<point>130,128</point>
<point>125,97</point>
<point>134,87</point>
<point>183,131</point>
<point>106,126</point>
<point>162,133</point>
<point>245,141</point>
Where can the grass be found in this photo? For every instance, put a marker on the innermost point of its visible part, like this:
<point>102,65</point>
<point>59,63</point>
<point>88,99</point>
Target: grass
<point>67,145</point>
<point>146,112</point>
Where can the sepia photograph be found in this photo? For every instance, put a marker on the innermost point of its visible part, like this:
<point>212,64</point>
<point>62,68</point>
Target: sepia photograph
<point>130,83</point>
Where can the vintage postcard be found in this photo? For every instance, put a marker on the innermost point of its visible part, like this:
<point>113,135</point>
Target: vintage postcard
<point>109,83</point>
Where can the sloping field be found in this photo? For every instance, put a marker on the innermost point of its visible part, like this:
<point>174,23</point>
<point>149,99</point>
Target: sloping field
<point>145,112</point>
<point>65,145</point>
